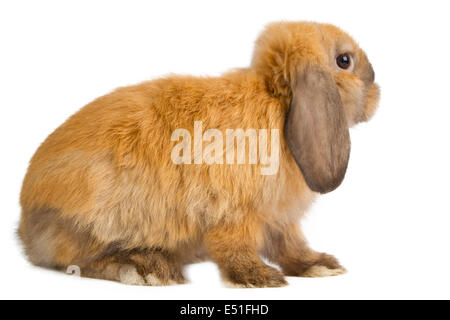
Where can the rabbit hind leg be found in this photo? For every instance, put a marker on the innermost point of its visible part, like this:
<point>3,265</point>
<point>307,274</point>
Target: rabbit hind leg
<point>137,267</point>
<point>55,242</point>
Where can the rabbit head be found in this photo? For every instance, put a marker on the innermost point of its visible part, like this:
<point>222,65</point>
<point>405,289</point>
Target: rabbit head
<point>327,85</point>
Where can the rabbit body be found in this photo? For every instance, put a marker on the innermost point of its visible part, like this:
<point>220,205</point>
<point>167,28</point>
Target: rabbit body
<point>103,193</point>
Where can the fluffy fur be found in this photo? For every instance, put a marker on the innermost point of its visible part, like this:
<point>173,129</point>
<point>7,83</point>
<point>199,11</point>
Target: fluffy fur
<point>102,192</point>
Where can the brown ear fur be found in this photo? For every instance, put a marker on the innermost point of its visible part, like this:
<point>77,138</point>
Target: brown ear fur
<point>316,130</point>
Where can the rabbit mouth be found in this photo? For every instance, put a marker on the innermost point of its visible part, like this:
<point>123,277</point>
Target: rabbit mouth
<point>372,99</point>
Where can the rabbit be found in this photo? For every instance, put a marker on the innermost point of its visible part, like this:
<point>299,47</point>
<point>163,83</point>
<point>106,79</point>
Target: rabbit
<point>102,192</point>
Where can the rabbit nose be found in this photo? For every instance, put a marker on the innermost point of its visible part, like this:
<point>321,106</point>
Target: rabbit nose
<point>371,75</point>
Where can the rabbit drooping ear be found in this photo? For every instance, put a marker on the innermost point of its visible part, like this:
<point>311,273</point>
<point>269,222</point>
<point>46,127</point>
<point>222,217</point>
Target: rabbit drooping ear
<point>316,129</point>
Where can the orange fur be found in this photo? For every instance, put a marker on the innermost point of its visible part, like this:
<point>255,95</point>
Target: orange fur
<point>106,177</point>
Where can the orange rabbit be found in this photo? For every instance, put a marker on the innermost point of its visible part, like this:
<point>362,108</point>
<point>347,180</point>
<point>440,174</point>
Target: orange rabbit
<point>103,193</point>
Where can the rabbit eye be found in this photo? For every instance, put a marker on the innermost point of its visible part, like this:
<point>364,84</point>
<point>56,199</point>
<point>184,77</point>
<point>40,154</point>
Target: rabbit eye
<point>344,61</point>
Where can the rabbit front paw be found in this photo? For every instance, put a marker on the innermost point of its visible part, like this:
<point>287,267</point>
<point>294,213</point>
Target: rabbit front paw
<point>255,277</point>
<point>324,266</point>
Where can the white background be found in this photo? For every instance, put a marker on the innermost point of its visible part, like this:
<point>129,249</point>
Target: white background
<point>389,221</point>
